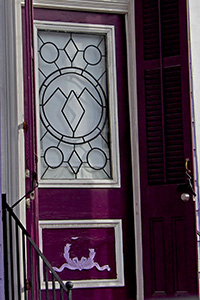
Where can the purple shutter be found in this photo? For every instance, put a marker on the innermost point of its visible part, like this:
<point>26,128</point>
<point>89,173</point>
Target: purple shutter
<point>169,236</point>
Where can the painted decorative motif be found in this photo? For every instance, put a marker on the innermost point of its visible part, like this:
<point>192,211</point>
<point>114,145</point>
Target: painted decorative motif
<point>88,252</point>
<point>82,264</point>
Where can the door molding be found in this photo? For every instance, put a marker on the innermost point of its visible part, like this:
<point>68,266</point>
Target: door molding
<point>109,32</point>
<point>12,116</point>
<point>65,225</point>
<point>108,6</point>
<point>114,6</point>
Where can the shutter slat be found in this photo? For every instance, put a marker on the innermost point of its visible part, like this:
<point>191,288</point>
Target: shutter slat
<point>170,28</point>
<point>172,146</point>
<point>151,30</point>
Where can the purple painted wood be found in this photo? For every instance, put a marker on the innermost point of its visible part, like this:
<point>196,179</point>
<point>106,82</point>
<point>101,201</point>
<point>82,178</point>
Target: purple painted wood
<point>2,295</point>
<point>30,142</point>
<point>29,109</point>
<point>66,204</point>
<point>29,104</point>
<point>102,240</point>
<point>2,292</point>
<point>169,227</point>
<point>161,87</point>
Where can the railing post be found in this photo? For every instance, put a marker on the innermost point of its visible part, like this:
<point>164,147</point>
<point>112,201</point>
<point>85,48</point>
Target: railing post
<point>13,257</point>
<point>5,246</point>
<point>69,286</point>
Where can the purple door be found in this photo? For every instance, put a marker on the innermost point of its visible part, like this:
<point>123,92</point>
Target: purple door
<point>169,230</point>
<point>82,213</point>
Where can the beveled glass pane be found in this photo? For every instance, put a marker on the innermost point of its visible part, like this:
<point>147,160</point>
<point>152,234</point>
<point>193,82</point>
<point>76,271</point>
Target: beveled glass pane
<point>73,106</point>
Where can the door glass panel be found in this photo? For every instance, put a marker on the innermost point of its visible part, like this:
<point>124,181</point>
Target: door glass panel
<point>77,130</point>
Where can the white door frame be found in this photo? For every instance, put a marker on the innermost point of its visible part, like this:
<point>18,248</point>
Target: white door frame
<point>194,26</point>
<point>106,6</point>
<point>12,116</point>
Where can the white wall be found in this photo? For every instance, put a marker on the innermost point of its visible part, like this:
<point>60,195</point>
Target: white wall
<point>2,96</point>
<point>194,18</point>
<point>9,113</point>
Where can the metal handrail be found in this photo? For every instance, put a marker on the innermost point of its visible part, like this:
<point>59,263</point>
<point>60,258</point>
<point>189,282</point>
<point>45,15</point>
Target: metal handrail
<point>22,259</point>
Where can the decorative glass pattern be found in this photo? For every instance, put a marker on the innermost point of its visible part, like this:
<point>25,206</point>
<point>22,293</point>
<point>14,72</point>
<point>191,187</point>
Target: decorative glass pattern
<point>73,106</point>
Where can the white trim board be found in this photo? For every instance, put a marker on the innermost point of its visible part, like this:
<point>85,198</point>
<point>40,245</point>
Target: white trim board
<point>114,6</point>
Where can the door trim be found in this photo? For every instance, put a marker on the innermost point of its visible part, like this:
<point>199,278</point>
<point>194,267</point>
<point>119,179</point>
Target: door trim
<point>108,6</point>
<point>109,31</point>
<point>134,132</point>
<point>113,6</point>
<point>116,224</point>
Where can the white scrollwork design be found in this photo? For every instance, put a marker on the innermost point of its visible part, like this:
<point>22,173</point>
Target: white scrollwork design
<point>82,264</point>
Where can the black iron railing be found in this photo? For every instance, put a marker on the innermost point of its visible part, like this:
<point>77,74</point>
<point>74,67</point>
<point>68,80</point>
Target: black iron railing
<point>28,274</point>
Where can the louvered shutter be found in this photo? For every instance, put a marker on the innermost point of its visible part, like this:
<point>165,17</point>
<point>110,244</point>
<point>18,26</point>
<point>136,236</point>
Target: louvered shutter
<point>169,239</point>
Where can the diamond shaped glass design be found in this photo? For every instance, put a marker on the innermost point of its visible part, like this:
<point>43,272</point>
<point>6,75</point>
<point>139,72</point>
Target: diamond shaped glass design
<point>75,162</point>
<point>73,111</point>
<point>73,104</point>
<point>71,50</point>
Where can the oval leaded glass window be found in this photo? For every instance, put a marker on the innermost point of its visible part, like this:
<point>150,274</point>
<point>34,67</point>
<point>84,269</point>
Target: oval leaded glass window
<point>77,112</point>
